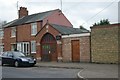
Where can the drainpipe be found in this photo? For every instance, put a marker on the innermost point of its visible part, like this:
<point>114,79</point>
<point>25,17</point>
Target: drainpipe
<point>90,49</point>
<point>16,40</point>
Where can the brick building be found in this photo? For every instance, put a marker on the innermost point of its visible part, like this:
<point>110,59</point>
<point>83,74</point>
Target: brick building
<point>69,44</point>
<point>104,43</point>
<point>48,36</point>
<point>1,39</point>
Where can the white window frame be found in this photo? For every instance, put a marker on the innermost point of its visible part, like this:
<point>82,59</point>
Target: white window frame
<point>33,28</point>
<point>33,46</point>
<point>21,47</point>
<point>13,32</point>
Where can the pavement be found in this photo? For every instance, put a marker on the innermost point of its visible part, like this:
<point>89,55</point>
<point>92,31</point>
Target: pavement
<point>59,65</point>
<point>87,70</point>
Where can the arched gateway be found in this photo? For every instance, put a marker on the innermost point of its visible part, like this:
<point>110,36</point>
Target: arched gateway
<point>48,48</point>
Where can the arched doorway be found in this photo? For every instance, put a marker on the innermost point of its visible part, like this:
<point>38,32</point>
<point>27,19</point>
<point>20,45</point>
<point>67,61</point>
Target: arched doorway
<point>48,48</point>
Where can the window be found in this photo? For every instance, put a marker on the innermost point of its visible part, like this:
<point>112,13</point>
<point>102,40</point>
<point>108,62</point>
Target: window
<point>1,48</point>
<point>13,32</point>
<point>19,47</point>
<point>33,28</point>
<point>1,33</point>
<point>4,54</point>
<point>13,47</point>
<point>10,54</point>
<point>23,47</point>
<point>33,46</point>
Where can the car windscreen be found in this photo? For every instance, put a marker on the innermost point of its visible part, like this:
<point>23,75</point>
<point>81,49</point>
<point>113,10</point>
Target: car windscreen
<point>18,54</point>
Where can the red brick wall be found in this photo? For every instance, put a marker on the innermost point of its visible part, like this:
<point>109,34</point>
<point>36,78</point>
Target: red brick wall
<point>7,39</point>
<point>58,18</point>
<point>44,30</point>
<point>23,12</point>
<point>23,34</point>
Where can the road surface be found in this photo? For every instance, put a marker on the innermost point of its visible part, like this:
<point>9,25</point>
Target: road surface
<point>38,72</point>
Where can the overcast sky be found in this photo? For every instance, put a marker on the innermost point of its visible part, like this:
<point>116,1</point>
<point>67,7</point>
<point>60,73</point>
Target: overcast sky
<point>79,12</point>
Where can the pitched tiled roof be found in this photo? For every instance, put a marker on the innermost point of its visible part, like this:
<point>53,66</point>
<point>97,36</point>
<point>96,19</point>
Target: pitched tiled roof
<point>29,18</point>
<point>64,30</point>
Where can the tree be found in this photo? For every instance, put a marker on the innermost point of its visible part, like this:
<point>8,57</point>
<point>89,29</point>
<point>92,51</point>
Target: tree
<point>81,27</point>
<point>2,23</point>
<point>102,22</point>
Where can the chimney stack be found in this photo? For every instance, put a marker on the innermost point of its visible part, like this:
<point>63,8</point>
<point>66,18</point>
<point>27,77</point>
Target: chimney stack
<point>22,12</point>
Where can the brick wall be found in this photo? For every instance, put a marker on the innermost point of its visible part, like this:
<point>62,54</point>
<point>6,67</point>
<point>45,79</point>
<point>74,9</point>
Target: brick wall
<point>119,32</point>
<point>104,44</point>
<point>57,18</point>
<point>84,49</point>
<point>23,12</point>
<point>39,37</point>
<point>7,35</point>
<point>23,35</point>
<point>66,49</point>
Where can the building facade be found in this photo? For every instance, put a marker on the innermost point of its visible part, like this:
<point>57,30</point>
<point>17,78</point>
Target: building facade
<point>1,39</point>
<point>61,43</point>
<point>48,36</point>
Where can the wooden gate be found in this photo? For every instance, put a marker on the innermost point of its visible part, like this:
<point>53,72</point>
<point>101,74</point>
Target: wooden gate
<point>75,50</point>
<point>48,48</point>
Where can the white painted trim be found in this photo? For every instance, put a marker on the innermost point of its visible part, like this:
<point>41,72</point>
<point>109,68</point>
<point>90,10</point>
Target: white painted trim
<point>33,52</point>
<point>75,35</point>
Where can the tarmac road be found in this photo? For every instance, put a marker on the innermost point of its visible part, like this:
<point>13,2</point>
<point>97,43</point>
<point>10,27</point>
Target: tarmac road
<point>38,72</point>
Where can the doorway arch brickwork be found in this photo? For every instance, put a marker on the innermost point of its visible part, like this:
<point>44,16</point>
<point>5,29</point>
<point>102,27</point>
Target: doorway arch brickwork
<point>48,48</point>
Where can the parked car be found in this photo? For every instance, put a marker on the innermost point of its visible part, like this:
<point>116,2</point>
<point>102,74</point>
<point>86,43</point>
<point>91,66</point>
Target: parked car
<point>17,59</point>
<point>1,58</point>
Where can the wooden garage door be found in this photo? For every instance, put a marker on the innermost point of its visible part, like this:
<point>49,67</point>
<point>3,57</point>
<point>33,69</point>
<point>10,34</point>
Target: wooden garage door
<point>75,50</point>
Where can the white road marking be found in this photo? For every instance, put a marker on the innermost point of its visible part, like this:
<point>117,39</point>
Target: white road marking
<point>80,75</point>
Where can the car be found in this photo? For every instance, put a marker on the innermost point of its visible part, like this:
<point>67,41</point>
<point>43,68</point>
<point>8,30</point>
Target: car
<point>17,59</point>
<point>0,58</point>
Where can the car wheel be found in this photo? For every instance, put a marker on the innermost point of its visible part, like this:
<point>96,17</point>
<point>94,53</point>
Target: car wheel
<point>16,64</point>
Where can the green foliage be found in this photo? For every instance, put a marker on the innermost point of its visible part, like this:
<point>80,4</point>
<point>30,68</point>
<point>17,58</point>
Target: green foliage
<point>2,23</point>
<point>81,27</point>
<point>102,22</point>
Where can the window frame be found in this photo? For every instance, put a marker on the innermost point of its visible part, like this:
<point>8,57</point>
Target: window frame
<point>13,32</point>
<point>33,44</point>
<point>23,47</point>
<point>33,29</point>
<point>13,46</point>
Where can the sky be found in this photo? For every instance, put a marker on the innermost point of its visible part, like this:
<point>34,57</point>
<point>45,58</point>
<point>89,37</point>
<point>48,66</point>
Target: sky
<point>78,12</point>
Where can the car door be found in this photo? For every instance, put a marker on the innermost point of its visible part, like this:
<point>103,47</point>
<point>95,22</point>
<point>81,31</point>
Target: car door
<point>10,58</point>
<point>4,58</point>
